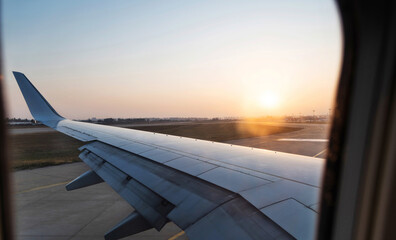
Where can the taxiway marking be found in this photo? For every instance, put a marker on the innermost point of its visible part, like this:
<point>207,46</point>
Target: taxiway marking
<point>43,187</point>
<point>324,150</point>
<point>176,235</point>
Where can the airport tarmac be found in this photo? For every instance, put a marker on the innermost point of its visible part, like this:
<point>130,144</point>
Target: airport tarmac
<point>45,210</point>
<point>310,140</point>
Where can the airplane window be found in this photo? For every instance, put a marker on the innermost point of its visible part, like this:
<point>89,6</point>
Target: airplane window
<point>252,83</point>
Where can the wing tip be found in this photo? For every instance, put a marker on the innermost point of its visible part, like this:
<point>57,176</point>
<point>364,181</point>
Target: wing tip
<point>40,109</point>
<point>16,73</point>
<point>19,76</point>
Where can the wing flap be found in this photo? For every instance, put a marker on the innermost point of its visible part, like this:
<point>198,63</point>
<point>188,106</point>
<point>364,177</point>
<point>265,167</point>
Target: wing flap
<point>146,202</point>
<point>281,190</point>
<point>293,217</point>
<point>160,194</point>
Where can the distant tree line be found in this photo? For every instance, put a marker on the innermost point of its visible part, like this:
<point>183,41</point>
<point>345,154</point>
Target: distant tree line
<point>19,120</point>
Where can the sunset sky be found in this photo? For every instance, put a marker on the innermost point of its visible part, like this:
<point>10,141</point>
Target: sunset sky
<point>173,58</point>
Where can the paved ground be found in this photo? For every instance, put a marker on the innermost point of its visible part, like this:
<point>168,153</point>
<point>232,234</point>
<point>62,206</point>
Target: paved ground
<point>310,132</point>
<point>45,210</point>
<point>27,130</point>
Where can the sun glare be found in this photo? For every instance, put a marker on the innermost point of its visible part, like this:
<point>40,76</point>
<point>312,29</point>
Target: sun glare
<point>269,100</point>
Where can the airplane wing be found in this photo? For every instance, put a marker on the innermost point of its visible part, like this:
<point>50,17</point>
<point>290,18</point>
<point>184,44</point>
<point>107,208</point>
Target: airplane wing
<point>210,190</point>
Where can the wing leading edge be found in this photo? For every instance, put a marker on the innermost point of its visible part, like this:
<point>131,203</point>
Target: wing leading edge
<point>230,191</point>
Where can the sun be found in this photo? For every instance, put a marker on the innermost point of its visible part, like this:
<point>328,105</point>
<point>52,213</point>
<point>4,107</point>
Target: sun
<point>269,100</point>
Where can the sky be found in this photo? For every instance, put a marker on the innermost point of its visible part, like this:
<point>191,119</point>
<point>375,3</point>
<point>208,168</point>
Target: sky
<point>173,58</point>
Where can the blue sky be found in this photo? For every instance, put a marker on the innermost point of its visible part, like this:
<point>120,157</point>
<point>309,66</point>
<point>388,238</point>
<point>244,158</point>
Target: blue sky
<point>173,58</point>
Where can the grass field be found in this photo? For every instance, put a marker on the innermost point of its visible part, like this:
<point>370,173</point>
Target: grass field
<point>52,148</point>
<point>42,149</point>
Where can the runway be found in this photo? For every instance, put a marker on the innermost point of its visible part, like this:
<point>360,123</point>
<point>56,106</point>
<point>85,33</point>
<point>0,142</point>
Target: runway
<point>45,210</point>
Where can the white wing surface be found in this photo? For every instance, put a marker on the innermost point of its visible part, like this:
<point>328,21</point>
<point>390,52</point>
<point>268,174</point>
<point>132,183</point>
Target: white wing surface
<point>210,190</point>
